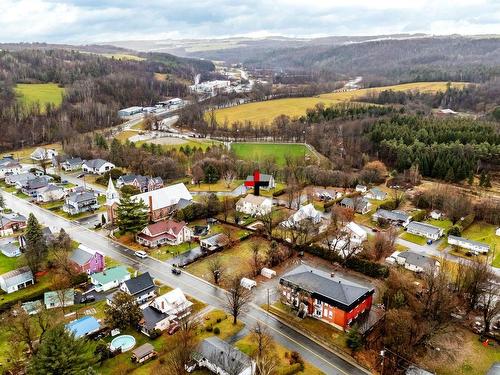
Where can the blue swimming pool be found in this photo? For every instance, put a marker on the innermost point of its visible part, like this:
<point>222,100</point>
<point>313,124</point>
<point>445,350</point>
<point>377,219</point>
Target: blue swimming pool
<point>125,342</point>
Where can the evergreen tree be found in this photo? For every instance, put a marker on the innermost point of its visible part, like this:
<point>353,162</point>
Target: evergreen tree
<point>354,338</point>
<point>61,353</point>
<point>450,176</point>
<point>116,152</point>
<point>36,248</point>
<point>213,205</point>
<point>132,215</point>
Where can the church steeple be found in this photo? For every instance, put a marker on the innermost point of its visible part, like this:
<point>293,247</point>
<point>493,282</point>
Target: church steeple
<point>112,196</point>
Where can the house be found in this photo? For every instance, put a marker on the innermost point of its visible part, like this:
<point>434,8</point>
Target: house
<point>34,186</point>
<point>357,234</point>
<point>109,278</point>
<point>357,204</point>
<point>168,232</point>
<point>84,326</point>
<point>41,154</point>
<point>32,307</point>
<point>425,230</point>
<point>19,179</point>
<point>220,357</point>
<point>307,212</point>
<point>436,215</point>
<point>72,164</point>
<point>334,300</point>
<point>10,249</point>
<point>50,193</point>
<point>214,243</point>
<point>60,298</point>
<point>97,166</point>
<point>10,223</point>
<point>494,369</point>
<point>164,310</point>
<point>254,205</point>
<point>497,232</point>
<point>142,183</point>
<point>394,217</point>
<point>9,166</point>
<point>87,260</point>
<point>15,280</point>
<point>361,188</point>
<point>77,203</point>
<point>163,202</point>
<point>141,287</point>
<point>143,353</point>
<point>474,246</point>
<point>377,194</point>
<point>267,181</point>
<point>415,262</point>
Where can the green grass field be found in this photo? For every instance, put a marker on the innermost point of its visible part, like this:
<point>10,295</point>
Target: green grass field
<point>260,151</point>
<point>483,232</point>
<point>43,93</point>
<point>413,238</point>
<point>265,112</point>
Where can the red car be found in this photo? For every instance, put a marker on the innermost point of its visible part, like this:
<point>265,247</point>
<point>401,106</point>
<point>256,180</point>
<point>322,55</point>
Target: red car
<point>173,328</point>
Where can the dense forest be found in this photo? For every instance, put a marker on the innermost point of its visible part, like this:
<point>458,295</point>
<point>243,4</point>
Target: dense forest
<point>455,58</point>
<point>95,88</point>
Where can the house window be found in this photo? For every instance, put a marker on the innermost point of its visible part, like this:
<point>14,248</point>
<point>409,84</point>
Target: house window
<point>330,314</point>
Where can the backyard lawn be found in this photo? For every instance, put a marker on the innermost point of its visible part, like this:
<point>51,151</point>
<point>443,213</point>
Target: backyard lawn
<point>218,186</point>
<point>8,264</point>
<point>259,152</point>
<point>484,232</point>
<point>43,284</point>
<point>235,260</point>
<point>413,238</point>
<point>444,224</point>
<point>248,346</point>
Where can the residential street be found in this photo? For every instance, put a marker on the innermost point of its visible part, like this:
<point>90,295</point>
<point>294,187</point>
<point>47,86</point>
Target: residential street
<point>317,355</point>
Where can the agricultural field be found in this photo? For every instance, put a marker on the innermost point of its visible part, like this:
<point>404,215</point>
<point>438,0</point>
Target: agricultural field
<point>260,151</point>
<point>43,93</point>
<point>265,112</point>
<point>122,56</point>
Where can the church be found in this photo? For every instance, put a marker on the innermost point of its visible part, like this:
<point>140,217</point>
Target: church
<point>161,203</point>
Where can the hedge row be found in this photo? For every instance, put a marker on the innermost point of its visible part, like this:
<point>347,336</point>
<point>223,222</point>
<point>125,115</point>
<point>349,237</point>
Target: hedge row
<point>459,227</point>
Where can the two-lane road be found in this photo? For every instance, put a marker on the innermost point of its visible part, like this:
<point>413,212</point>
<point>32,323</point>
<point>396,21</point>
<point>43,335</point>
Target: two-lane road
<point>317,355</point>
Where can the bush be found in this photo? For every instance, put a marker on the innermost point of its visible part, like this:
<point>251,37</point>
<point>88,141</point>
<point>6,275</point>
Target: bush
<point>419,215</point>
<point>290,370</point>
<point>79,279</point>
<point>219,320</point>
<point>56,177</point>
<point>155,334</point>
<point>367,267</point>
<point>455,230</point>
<point>278,192</point>
<point>389,205</point>
<point>467,221</point>
<point>216,330</point>
<point>209,328</point>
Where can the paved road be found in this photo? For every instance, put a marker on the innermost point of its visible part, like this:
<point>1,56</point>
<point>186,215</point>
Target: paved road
<point>317,355</point>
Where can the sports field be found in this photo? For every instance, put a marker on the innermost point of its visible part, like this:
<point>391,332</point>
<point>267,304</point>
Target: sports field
<point>260,151</point>
<point>42,93</point>
<point>265,112</point>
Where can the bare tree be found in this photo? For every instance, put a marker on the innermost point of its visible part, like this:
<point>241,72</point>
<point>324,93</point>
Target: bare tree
<point>255,260</point>
<point>61,283</point>
<point>237,298</point>
<point>265,355</point>
<point>216,269</point>
<point>228,177</point>
<point>228,204</point>
<point>180,353</point>
<point>489,302</point>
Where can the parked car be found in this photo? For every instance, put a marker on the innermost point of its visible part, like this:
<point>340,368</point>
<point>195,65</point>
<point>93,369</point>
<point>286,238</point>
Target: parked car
<point>87,298</point>
<point>176,271</point>
<point>141,254</point>
<point>173,328</point>
<point>64,181</point>
<point>80,175</point>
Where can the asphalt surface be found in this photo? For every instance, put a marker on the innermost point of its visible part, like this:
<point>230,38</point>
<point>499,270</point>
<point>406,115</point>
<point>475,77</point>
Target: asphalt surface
<point>317,355</point>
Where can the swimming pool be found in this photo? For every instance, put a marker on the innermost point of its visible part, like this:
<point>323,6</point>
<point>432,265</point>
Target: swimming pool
<point>125,342</point>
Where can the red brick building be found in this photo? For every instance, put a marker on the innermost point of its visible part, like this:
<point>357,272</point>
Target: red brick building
<point>334,300</point>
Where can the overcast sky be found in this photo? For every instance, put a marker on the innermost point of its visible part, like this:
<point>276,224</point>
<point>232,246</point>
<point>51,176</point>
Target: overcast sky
<point>86,21</point>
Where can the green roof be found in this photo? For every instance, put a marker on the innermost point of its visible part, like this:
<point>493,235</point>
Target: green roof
<point>110,275</point>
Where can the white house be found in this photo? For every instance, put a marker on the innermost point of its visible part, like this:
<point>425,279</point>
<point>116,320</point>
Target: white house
<point>109,278</point>
<point>72,164</point>
<point>358,204</point>
<point>361,188</point>
<point>357,234</point>
<point>9,166</point>
<point>254,205</point>
<point>141,287</point>
<point>50,193</point>
<point>10,249</point>
<point>436,215</point>
<point>97,166</point>
<point>497,232</point>
<point>425,230</point>
<point>474,246</point>
<point>43,154</point>
<point>222,358</point>
<point>168,232</point>
<point>395,217</point>
<point>415,262</point>
<point>377,194</point>
<point>307,212</point>
<point>15,280</point>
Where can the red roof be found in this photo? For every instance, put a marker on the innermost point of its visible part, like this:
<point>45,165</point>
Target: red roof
<point>165,227</point>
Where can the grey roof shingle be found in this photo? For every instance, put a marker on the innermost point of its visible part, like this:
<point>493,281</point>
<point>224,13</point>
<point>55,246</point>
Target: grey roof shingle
<point>423,227</point>
<point>16,277</point>
<point>417,259</point>
<point>95,163</point>
<point>223,355</point>
<point>471,242</point>
<point>140,284</point>
<point>81,197</point>
<point>152,316</point>
<point>394,215</point>
<point>80,256</point>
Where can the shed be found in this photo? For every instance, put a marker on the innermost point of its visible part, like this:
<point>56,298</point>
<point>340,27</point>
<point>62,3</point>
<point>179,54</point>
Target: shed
<point>143,353</point>
<point>248,283</point>
<point>267,272</point>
